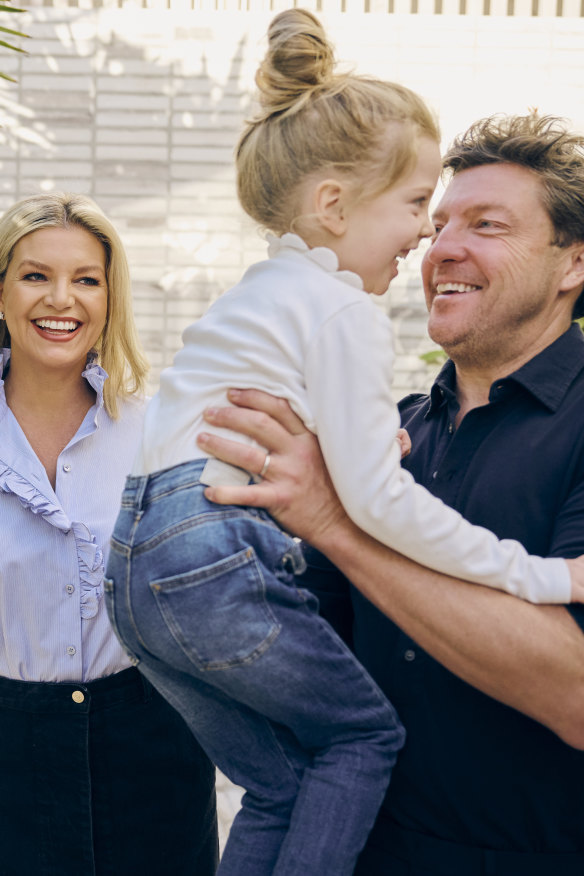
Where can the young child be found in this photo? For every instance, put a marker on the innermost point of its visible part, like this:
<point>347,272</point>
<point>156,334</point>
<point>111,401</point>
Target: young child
<point>341,169</point>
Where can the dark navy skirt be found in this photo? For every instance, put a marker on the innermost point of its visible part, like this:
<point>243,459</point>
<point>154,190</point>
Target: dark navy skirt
<point>102,779</point>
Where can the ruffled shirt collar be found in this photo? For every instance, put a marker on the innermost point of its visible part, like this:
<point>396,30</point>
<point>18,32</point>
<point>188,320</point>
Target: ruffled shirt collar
<point>26,488</point>
<point>93,373</point>
<point>322,256</point>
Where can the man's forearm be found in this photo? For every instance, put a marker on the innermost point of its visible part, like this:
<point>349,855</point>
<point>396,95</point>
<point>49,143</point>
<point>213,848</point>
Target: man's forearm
<point>529,657</point>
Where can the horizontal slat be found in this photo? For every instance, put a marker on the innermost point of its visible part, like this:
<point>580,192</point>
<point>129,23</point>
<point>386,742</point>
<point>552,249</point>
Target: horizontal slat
<point>508,8</point>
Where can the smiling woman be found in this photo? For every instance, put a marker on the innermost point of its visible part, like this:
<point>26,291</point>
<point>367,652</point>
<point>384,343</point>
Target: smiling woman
<point>54,297</point>
<point>98,774</point>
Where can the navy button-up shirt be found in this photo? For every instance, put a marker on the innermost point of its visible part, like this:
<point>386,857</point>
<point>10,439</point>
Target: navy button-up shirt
<point>475,771</point>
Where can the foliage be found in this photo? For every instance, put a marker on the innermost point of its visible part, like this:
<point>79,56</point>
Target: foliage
<point>6,30</point>
<point>434,357</point>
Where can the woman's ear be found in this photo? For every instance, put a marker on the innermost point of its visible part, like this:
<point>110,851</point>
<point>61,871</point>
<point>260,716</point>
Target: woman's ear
<point>330,206</point>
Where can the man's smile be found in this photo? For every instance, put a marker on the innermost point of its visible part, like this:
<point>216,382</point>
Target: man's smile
<point>451,288</point>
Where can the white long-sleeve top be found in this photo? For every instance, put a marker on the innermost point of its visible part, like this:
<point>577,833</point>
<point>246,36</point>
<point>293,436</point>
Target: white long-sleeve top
<point>297,327</point>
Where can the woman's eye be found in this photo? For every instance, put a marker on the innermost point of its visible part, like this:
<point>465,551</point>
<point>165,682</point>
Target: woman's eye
<point>89,281</point>
<point>34,276</point>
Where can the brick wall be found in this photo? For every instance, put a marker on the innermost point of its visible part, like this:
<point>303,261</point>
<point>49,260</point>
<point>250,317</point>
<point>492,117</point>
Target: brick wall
<point>141,108</point>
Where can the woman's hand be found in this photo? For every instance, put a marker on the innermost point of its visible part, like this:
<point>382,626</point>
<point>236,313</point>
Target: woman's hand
<point>295,487</point>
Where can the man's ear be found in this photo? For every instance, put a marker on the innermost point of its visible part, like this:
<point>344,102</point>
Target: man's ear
<point>330,206</point>
<point>574,270</point>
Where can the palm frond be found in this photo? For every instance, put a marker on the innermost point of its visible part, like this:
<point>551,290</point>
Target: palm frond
<point>15,33</point>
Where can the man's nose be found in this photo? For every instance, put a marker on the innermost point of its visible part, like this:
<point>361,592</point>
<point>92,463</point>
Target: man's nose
<point>448,245</point>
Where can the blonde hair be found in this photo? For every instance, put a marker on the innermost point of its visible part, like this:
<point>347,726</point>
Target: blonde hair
<point>313,119</point>
<point>118,349</point>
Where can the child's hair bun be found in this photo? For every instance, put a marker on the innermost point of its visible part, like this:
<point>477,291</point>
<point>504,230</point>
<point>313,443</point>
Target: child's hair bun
<point>299,61</point>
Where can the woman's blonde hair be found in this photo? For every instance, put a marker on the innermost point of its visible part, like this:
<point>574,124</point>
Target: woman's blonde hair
<point>118,349</point>
<point>313,119</point>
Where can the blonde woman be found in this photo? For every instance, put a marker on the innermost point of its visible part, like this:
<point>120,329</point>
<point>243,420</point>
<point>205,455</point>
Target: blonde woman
<point>98,775</point>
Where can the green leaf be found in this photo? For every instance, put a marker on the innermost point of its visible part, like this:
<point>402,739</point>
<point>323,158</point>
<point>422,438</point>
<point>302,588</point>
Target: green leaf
<point>14,48</point>
<point>17,33</point>
<point>14,32</point>
<point>434,357</point>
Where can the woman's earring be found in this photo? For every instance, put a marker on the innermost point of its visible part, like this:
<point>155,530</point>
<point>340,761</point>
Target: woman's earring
<point>1,315</point>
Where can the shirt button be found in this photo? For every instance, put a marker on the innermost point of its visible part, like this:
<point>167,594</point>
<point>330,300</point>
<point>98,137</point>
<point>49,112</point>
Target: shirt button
<point>71,650</point>
<point>67,467</point>
<point>409,655</point>
<point>70,588</point>
<point>77,696</point>
<point>434,475</point>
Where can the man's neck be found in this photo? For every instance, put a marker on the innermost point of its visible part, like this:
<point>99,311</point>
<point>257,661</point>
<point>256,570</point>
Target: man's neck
<point>476,374</point>
<point>472,391</point>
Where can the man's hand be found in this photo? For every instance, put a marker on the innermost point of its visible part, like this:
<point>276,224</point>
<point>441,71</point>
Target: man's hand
<point>296,488</point>
<point>576,567</point>
<point>404,441</point>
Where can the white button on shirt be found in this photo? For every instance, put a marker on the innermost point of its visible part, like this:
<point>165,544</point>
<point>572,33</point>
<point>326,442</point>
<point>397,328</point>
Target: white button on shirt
<point>54,544</point>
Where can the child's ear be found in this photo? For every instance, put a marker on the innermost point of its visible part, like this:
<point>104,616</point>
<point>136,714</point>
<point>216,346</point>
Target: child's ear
<point>330,206</point>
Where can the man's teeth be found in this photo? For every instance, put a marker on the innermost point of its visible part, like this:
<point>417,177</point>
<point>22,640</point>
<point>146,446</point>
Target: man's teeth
<point>444,288</point>
<point>54,325</point>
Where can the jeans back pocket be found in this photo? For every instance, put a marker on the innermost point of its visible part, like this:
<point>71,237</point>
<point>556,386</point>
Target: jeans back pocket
<point>219,614</point>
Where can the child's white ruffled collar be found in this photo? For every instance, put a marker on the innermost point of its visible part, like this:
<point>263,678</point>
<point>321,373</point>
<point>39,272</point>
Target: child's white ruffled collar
<point>321,255</point>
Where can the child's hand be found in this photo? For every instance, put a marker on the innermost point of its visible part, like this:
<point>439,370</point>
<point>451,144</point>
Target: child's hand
<point>405,443</point>
<point>576,567</point>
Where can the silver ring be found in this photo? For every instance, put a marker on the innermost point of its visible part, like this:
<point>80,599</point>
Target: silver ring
<point>265,466</point>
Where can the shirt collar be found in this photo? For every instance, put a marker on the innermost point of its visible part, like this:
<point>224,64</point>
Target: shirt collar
<point>322,256</point>
<point>547,377</point>
<point>93,373</point>
<point>443,391</point>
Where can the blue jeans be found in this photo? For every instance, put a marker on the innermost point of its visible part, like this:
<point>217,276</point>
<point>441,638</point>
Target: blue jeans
<point>205,598</point>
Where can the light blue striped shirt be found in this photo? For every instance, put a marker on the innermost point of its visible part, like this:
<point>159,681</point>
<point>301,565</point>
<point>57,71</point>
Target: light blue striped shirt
<point>54,543</point>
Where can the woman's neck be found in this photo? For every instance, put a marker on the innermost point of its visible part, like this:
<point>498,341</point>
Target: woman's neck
<point>49,409</point>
